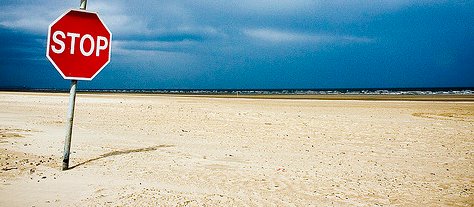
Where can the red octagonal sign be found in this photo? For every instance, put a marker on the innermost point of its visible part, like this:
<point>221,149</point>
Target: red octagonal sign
<point>79,44</point>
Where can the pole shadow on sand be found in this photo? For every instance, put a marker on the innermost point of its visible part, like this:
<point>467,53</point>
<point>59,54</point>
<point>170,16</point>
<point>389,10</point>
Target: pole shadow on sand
<point>121,152</point>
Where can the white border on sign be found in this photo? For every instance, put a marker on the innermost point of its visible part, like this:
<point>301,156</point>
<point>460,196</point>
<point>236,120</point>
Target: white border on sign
<point>48,45</point>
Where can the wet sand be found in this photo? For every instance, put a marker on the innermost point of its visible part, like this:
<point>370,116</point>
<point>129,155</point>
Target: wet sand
<point>149,150</point>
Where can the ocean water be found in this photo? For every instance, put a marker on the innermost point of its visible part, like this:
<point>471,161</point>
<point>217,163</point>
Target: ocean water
<point>350,91</point>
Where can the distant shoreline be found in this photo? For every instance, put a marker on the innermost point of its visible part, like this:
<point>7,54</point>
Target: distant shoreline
<point>364,97</point>
<point>441,97</point>
<point>262,91</point>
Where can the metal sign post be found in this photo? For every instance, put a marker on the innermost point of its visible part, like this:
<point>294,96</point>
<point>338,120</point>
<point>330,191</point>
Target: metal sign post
<point>83,4</point>
<point>70,113</point>
<point>70,119</point>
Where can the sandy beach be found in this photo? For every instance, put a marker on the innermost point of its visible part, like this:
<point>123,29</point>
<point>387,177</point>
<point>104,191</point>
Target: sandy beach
<point>164,150</point>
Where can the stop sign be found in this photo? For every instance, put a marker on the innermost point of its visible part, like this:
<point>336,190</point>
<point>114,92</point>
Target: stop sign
<point>79,44</point>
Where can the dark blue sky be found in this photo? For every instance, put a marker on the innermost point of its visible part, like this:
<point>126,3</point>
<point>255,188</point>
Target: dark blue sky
<point>254,44</point>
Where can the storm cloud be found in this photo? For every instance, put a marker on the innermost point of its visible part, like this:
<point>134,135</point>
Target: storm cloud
<point>254,44</point>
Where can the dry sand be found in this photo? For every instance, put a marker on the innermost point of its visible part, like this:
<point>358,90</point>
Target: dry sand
<point>159,150</point>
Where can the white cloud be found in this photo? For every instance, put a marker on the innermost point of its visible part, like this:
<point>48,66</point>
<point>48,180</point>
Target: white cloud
<point>275,5</point>
<point>35,18</point>
<point>134,45</point>
<point>34,25</point>
<point>118,19</point>
<point>278,36</point>
<point>30,17</point>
